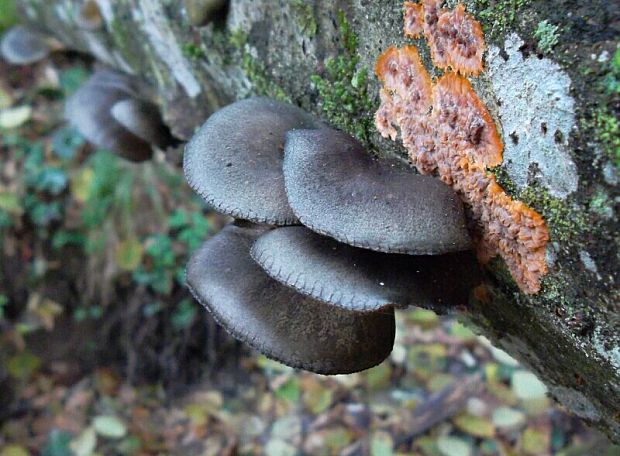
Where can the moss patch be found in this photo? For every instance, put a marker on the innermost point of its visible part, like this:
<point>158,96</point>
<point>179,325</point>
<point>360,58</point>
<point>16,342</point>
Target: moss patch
<point>343,88</point>
<point>497,16</point>
<point>304,16</point>
<point>547,36</point>
<point>255,70</point>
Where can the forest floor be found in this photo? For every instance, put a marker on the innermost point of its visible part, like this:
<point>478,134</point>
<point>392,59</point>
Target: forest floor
<point>84,234</point>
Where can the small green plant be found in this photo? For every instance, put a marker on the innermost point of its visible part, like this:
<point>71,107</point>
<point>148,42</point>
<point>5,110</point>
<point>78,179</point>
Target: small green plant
<point>547,35</point>
<point>343,88</point>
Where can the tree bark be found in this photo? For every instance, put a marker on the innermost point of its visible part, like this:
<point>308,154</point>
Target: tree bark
<point>550,90</point>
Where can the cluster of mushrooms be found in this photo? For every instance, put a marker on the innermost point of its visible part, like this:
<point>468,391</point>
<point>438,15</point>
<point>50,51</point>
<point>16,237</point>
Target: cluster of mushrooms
<point>327,240</point>
<point>109,111</point>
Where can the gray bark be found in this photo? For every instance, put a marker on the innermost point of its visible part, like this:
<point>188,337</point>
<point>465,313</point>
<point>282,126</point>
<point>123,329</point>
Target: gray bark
<point>549,99</point>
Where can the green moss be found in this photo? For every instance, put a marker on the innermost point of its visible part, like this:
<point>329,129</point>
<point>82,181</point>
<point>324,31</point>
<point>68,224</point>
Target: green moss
<point>547,36</point>
<point>193,51</point>
<point>343,88</point>
<point>255,70</point>
<point>496,16</point>
<point>607,131</point>
<point>257,74</point>
<point>565,222</point>
<point>304,16</point>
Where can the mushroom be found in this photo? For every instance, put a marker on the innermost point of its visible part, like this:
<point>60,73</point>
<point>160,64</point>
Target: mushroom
<point>363,280</point>
<point>23,45</point>
<point>335,188</point>
<point>278,321</point>
<point>201,12</point>
<point>234,161</point>
<point>107,111</point>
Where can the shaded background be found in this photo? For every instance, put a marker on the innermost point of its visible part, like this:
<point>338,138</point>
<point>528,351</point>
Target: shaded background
<point>103,351</point>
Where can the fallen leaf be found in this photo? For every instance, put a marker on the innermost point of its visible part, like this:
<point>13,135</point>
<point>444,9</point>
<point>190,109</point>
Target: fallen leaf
<point>109,426</point>
<point>15,117</point>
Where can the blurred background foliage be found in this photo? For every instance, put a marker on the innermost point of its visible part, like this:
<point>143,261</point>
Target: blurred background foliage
<point>103,350</point>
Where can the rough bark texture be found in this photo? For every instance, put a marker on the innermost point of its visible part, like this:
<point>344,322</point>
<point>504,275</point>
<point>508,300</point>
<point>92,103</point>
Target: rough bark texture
<point>552,101</point>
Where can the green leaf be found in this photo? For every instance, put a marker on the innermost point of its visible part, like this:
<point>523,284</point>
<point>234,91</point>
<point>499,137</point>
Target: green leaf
<point>15,117</point>
<point>52,180</point>
<point>474,425</point>
<point>85,443</point>
<point>508,418</point>
<point>9,202</point>
<point>526,386</point>
<point>57,444</point>
<point>72,78</point>
<point>535,442</point>
<point>23,365</point>
<point>129,254</point>
<point>109,426</point>
<point>453,446</point>
<point>65,142</point>
<point>289,390</point>
<point>381,444</point>
<point>184,314</point>
<point>14,450</point>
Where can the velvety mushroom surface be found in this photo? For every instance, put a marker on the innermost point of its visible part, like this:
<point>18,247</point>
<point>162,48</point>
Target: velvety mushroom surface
<point>364,280</point>
<point>337,189</point>
<point>102,110</point>
<point>23,46</point>
<point>235,160</point>
<point>278,321</point>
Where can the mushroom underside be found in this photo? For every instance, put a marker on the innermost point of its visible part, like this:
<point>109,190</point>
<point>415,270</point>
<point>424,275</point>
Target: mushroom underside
<point>276,320</point>
<point>364,280</point>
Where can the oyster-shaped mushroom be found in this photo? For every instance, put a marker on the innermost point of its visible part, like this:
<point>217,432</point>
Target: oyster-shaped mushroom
<point>337,189</point>
<point>107,111</point>
<point>235,160</point>
<point>278,321</point>
<point>23,45</point>
<point>361,279</point>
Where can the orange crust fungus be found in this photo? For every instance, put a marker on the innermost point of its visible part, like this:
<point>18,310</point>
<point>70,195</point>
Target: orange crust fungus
<point>455,38</point>
<point>448,131</point>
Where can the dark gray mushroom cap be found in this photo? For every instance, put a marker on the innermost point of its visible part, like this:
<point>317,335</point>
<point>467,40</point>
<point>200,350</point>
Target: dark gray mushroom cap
<point>143,120</point>
<point>278,321</point>
<point>361,279</point>
<point>105,112</point>
<point>337,189</point>
<point>235,160</point>
<point>22,46</point>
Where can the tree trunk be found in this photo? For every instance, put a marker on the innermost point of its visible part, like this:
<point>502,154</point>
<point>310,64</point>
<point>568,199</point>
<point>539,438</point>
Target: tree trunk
<point>554,92</point>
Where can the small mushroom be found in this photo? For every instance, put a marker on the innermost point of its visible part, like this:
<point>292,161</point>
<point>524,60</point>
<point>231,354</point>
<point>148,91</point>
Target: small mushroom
<point>364,280</point>
<point>201,12</point>
<point>278,321</point>
<point>234,161</point>
<point>23,46</point>
<point>143,120</point>
<point>335,188</point>
<point>106,110</point>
